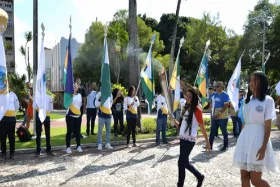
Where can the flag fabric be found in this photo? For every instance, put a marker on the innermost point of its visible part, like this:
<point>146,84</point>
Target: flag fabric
<point>69,80</point>
<point>4,87</point>
<point>105,81</point>
<point>147,80</point>
<point>40,93</point>
<point>234,85</point>
<point>65,67</point>
<point>202,80</point>
<point>175,83</point>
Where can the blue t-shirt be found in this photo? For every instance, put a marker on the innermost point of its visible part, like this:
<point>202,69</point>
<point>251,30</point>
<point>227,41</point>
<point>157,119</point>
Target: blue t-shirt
<point>211,95</point>
<point>240,102</point>
<point>220,100</point>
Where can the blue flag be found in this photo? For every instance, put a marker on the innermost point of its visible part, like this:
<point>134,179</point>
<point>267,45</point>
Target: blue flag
<point>69,80</point>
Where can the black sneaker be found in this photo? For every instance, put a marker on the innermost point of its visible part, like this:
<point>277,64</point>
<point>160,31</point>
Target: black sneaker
<point>165,142</point>
<point>49,153</point>
<point>12,155</point>
<point>3,155</point>
<point>81,136</point>
<point>92,133</point>
<point>157,143</point>
<point>87,133</point>
<point>224,148</point>
<point>200,181</point>
<point>116,135</point>
<point>37,153</point>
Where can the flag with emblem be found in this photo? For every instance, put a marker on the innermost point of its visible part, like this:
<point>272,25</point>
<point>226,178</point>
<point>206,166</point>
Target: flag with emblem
<point>68,77</point>
<point>234,85</point>
<point>40,93</point>
<point>4,88</point>
<point>105,81</point>
<point>147,78</point>
<point>202,77</point>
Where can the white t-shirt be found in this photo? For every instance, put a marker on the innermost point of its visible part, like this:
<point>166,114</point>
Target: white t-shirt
<point>90,99</point>
<point>197,119</point>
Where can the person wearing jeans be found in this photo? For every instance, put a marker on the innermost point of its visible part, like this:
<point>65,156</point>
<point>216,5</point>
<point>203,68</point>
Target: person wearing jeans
<point>104,118</point>
<point>220,117</point>
<point>131,102</point>
<point>47,124</point>
<point>91,110</point>
<point>8,125</point>
<point>162,113</point>
<point>73,121</point>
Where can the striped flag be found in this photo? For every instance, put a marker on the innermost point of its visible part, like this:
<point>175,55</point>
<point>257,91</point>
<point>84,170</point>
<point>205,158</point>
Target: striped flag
<point>147,78</point>
<point>202,77</point>
<point>105,81</point>
<point>4,87</point>
<point>40,93</point>
<point>68,79</point>
<point>175,79</point>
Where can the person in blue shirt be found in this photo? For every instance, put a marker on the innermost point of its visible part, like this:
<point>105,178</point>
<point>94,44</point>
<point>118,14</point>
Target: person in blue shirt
<point>220,115</point>
<point>211,94</point>
<point>241,98</point>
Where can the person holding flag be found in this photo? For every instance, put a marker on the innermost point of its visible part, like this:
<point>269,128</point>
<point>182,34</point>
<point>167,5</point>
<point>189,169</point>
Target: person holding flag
<point>43,103</point>
<point>72,101</point>
<point>131,102</point>
<point>162,113</point>
<point>104,98</point>
<point>9,103</point>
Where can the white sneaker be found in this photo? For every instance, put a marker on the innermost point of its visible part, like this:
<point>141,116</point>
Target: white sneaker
<point>68,150</point>
<point>79,149</point>
<point>99,147</point>
<point>108,146</point>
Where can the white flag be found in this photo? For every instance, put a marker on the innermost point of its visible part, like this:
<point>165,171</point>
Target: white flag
<point>277,88</point>
<point>233,86</point>
<point>40,95</point>
<point>4,88</point>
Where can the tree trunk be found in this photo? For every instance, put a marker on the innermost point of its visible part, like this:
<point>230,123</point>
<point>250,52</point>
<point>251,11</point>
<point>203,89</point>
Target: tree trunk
<point>133,52</point>
<point>174,40</point>
<point>171,63</point>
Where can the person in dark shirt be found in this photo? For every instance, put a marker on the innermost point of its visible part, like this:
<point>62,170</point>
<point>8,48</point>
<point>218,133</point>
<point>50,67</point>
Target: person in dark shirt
<point>117,110</point>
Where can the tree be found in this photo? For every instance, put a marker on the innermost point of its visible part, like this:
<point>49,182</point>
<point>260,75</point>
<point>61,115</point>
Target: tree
<point>17,85</point>
<point>28,38</point>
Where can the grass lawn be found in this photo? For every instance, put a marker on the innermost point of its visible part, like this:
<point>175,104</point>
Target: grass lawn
<point>52,115</point>
<point>58,137</point>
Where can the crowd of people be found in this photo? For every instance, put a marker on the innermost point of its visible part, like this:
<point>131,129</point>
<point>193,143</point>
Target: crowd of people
<point>251,123</point>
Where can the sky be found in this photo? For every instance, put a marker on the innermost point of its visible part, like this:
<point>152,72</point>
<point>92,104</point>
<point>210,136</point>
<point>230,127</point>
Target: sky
<point>55,14</point>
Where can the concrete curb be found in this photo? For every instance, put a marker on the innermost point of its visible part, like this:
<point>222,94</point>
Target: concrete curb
<point>113,143</point>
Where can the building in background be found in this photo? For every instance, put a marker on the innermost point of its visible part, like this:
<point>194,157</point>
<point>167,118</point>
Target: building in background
<point>57,56</point>
<point>9,35</point>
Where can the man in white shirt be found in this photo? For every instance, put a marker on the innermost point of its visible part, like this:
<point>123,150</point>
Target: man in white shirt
<point>91,109</point>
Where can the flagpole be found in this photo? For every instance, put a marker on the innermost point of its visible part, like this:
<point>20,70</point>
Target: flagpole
<point>206,47</point>
<point>35,56</point>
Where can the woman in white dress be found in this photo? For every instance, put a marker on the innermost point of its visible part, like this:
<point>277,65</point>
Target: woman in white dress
<point>254,153</point>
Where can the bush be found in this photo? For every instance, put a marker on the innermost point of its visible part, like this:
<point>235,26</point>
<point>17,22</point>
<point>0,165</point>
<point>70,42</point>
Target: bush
<point>149,125</point>
<point>207,121</point>
<point>120,87</point>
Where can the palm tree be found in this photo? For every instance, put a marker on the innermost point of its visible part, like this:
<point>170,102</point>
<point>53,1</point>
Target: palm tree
<point>17,85</point>
<point>28,38</point>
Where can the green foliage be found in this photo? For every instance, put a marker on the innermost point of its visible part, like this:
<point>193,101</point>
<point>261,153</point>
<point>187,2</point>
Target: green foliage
<point>50,93</point>
<point>17,85</point>
<point>120,87</point>
<point>149,125</point>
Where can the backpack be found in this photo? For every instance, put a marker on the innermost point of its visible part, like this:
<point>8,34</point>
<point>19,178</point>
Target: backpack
<point>23,134</point>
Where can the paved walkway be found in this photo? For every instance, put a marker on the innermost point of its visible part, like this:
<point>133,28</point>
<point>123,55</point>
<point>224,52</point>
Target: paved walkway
<point>144,166</point>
